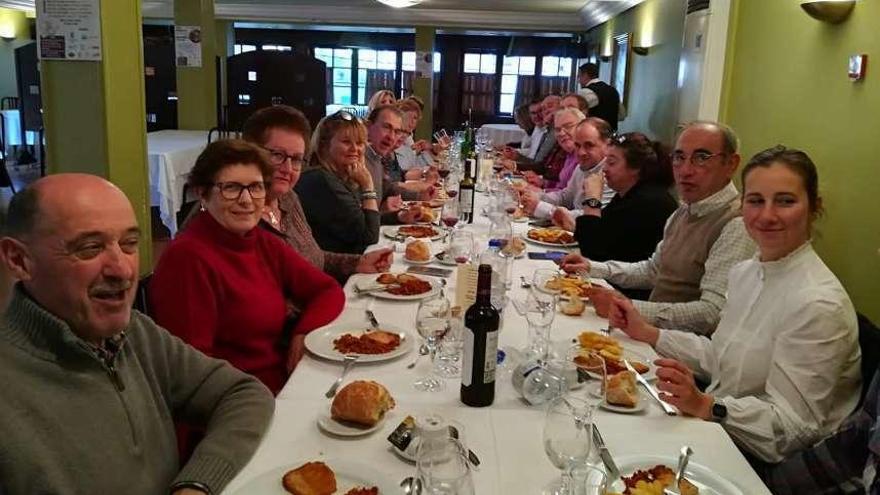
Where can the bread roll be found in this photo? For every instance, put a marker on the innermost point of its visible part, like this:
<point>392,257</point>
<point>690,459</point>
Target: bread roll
<point>620,389</point>
<point>312,478</point>
<point>362,402</point>
<point>418,251</point>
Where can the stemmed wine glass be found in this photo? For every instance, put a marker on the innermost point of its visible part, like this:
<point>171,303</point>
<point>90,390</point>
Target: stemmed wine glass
<point>432,322</point>
<point>461,246</point>
<point>540,312</point>
<point>568,439</point>
<point>449,215</point>
<point>443,468</point>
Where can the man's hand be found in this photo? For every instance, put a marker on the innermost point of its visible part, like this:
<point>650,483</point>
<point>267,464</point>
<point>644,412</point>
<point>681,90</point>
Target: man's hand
<point>509,153</point>
<point>421,145</point>
<point>530,200</point>
<point>677,386</point>
<point>562,219</point>
<point>574,263</point>
<point>376,261</point>
<point>533,178</point>
<point>413,174</point>
<point>296,351</point>
<point>623,315</point>
<point>594,185</point>
<point>602,299</point>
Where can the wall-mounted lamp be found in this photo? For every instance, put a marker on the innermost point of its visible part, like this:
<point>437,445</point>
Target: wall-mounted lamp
<point>641,50</point>
<point>7,30</point>
<point>833,11</point>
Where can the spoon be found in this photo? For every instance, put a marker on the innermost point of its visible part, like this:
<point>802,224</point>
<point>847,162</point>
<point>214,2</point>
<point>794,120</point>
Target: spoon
<point>411,486</point>
<point>423,351</point>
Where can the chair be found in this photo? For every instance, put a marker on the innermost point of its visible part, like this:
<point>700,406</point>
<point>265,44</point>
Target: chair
<point>140,298</point>
<point>869,341</point>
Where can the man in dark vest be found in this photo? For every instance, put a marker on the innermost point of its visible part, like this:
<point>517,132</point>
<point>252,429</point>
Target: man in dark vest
<point>603,99</point>
<point>702,239</point>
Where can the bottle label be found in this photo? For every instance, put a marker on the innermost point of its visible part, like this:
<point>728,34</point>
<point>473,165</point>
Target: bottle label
<point>466,198</point>
<point>491,358</point>
<point>467,358</point>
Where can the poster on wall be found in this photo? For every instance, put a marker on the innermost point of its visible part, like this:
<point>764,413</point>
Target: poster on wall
<point>424,64</point>
<point>188,46</point>
<point>69,29</point>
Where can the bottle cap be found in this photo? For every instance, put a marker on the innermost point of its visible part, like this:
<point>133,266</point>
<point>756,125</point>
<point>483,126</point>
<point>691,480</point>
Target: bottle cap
<point>495,243</point>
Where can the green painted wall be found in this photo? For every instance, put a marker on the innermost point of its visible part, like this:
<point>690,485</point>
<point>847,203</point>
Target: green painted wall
<point>652,106</point>
<point>197,86</point>
<point>787,83</point>
<point>17,20</point>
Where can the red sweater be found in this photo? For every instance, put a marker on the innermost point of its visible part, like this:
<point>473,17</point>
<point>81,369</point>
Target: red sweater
<point>225,295</point>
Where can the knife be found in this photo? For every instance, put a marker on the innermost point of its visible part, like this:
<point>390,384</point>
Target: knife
<point>373,322</point>
<point>605,455</point>
<point>651,390</point>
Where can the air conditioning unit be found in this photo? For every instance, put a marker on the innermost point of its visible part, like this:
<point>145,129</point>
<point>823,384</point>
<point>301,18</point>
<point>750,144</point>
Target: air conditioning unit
<point>701,66</point>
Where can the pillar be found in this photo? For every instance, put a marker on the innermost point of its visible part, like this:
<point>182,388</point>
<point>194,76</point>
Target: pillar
<point>94,113</point>
<point>197,86</point>
<point>423,87</point>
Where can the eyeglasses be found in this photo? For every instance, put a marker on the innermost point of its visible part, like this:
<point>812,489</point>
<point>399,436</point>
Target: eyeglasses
<point>698,158</point>
<point>396,131</point>
<point>279,158</point>
<point>232,190</point>
<point>343,115</point>
<point>566,128</point>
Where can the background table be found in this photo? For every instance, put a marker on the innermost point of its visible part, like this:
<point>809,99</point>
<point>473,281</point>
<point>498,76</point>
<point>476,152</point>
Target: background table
<point>502,134</point>
<point>171,154</point>
<point>507,436</point>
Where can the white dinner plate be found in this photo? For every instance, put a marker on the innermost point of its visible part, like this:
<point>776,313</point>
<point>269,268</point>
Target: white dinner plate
<point>348,475</point>
<point>320,342</point>
<point>346,429</point>
<point>550,244</point>
<point>370,282</point>
<point>391,233</point>
<point>414,262</point>
<point>706,480</point>
<point>639,407</point>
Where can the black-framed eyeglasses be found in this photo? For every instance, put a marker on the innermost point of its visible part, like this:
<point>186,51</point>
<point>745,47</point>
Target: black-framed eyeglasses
<point>232,190</point>
<point>279,158</point>
<point>699,158</point>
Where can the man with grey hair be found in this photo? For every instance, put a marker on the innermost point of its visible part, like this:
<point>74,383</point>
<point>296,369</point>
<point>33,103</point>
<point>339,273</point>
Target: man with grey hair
<point>91,388</point>
<point>702,239</point>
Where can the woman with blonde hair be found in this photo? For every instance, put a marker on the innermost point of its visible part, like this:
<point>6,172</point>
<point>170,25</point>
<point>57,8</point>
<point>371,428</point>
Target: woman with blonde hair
<point>336,190</point>
<point>380,98</point>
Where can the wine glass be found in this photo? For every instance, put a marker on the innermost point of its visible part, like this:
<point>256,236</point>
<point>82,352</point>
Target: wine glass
<point>449,215</point>
<point>432,322</point>
<point>461,246</point>
<point>589,480</point>
<point>540,312</point>
<point>568,439</point>
<point>541,277</point>
<point>443,468</point>
<point>452,184</point>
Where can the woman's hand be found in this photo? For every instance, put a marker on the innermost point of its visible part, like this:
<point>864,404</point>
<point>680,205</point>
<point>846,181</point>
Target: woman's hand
<point>574,263</point>
<point>376,261</point>
<point>296,351</point>
<point>393,203</point>
<point>594,185</point>
<point>562,219</point>
<point>677,386</point>
<point>623,315</point>
<point>362,177</point>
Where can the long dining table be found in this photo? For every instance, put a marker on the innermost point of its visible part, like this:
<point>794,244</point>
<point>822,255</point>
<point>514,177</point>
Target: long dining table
<point>507,436</point>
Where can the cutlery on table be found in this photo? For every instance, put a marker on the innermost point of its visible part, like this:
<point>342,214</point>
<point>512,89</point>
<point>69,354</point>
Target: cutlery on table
<point>374,323</point>
<point>524,283</point>
<point>453,432</point>
<point>605,455</point>
<point>651,390</point>
<point>683,458</point>
<point>411,486</point>
<point>378,288</point>
<point>349,362</point>
<point>423,351</point>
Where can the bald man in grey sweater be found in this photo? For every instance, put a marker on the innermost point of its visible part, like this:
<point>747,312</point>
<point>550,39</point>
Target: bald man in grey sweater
<point>90,388</point>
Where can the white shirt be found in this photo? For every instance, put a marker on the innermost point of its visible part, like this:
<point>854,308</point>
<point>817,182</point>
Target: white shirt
<point>785,358</point>
<point>590,95</point>
<point>407,157</point>
<point>537,134</point>
<point>732,246</point>
<point>573,194</point>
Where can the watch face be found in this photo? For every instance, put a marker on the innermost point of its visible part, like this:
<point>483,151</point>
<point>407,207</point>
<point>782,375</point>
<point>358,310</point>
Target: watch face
<point>719,411</point>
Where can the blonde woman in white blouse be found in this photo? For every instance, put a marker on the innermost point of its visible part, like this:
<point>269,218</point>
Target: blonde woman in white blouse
<point>783,364</point>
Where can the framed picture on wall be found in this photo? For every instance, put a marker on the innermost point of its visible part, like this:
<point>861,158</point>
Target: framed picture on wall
<point>620,64</point>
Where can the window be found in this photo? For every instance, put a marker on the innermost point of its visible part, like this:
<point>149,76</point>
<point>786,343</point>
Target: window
<point>555,67</point>
<point>339,62</point>
<point>479,63</point>
<point>408,61</point>
<point>237,49</point>
<point>280,48</point>
<point>373,60</point>
<point>512,68</point>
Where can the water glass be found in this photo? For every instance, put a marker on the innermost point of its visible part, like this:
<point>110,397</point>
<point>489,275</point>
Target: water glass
<point>432,322</point>
<point>461,246</point>
<point>568,439</point>
<point>451,346</point>
<point>443,468</point>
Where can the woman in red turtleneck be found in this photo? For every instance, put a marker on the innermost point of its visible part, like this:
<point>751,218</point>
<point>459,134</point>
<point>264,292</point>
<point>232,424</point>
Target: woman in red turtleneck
<point>224,284</point>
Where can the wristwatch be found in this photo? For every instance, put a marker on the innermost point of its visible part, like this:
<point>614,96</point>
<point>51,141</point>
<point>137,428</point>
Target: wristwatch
<point>719,411</point>
<point>592,203</point>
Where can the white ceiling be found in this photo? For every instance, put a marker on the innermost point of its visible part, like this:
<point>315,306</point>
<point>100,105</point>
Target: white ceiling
<point>525,15</point>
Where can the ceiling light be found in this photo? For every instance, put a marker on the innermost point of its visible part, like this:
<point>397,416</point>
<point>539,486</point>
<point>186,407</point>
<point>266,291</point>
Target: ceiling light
<point>833,11</point>
<point>399,4</point>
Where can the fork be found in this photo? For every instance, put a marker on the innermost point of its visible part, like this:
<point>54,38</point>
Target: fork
<point>349,362</point>
<point>683,457</point>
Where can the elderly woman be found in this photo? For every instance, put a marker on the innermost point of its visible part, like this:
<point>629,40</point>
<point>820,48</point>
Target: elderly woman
<point>223,285</point>
<point>337,193</point>
<point>381,98</point>
<point>283,132</point>
<point>784,362</point>
<point>631,225</point>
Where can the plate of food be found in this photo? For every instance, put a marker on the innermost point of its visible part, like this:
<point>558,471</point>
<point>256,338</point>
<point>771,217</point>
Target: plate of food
<point>515,248</point>
<point>336,341</point>
<point>551,236</point>
<point>568,285</point>
<point>416,231</point>
<point>358,409</point>
<point>320,475</point>
<point>649,474</point>
<point>610,350</point>
<point>418,252</point>
<point>621,394</point>
<point>398,287</point>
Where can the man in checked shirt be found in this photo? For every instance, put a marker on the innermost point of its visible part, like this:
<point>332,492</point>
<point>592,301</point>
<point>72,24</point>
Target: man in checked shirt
<point>702,240</point>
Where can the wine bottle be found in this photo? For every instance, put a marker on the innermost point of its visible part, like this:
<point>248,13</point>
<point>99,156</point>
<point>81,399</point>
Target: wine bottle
<point>466,195</point>
<point>480,354</point>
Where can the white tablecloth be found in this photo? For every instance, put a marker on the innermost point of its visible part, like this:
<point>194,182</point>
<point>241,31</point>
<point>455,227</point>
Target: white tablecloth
<point>507,436</point>
<point>12,129</point>
<point>171,154</point>
<point>502,134</point>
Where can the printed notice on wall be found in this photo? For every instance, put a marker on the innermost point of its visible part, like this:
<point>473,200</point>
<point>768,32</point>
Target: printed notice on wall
<point>188,46</point>
<point>424,64</point>
<point>69,29</point>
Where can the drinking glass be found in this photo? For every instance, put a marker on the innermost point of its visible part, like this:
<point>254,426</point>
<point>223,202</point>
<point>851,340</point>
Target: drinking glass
<point>450,346</point>
<point>432,322</point>
<point>568,439</point>
<point>449,215</point>
<point>461,246</point>
<point>452,185</point>
<point>443,468</point>
<point>589,480</point>
<point>540,312</point>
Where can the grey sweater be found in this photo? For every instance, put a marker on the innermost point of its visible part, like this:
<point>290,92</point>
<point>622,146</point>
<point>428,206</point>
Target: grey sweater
<point>71,424</point>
